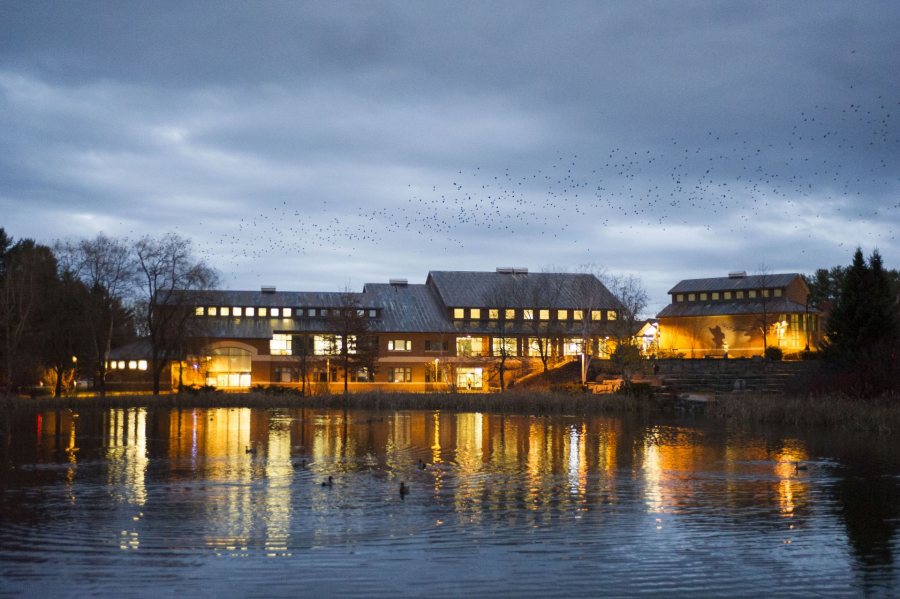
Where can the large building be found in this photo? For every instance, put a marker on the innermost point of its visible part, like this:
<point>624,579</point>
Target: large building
<point>727,316</point>
<point>453,331</point>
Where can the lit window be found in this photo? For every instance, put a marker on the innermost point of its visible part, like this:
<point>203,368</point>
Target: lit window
<point>727,295</point>
<point>224,311</point>
<point>132,364</point>
<point>198,311</point>
<point>765,293</point>
<point>679,297</point>
<point>739,295</point>
<point>596,315</point>
<point>469,378</point>
<point>286,313</point>
<point>373,313</point>
<point>544,314</point>
<point>274,312</point>
<point>401,374</point>
<point>475,313</point>
<point>611,315</point>
<point>399,345</point>
<point>263,311</point>
<point>360,312</point>
<point>459,313</point>
<point>468,346</point>
<point>280,345</point>
<point>493,313</point>
<point>562,315</point>
<point>578,314</point>
<point>113,365</point>
<point>237,311</point>
<point>212,311</point>
<point>573,346</point>
<point>751,294</point>
<point>321,345</point>
<point>535,345</point>
<point>778,293</point>
<point>121,364</point>
<point>510,314</point>
<point>249,312</point>
<point>498,345</point>
<point>703,297</point>
<point>692,297</point>
<point>528,314</point>
<point>142,364</point>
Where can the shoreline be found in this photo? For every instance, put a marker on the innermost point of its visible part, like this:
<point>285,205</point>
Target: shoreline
<point>878,416</point>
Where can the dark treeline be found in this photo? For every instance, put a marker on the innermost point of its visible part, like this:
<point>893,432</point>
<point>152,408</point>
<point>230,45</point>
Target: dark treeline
<point>63,308</point>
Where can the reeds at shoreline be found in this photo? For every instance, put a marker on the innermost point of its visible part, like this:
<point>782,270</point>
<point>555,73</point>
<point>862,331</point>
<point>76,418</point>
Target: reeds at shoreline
<point>878,416</point>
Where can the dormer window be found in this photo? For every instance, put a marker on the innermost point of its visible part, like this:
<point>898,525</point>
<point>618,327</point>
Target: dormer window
<point>715,295</point>
<point>727,295</point>
<point>263,312</point>
<point>679,297</point>
<point>778,292</point>
<point>475,313</point>
<point>562,315</point>
<point>459,313</point>
<point>703,297</point>
<point>493,313</point>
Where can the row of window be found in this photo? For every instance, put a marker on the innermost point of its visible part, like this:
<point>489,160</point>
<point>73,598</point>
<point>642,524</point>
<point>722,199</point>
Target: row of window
<point>273,312</point>
<point>283,344</point>
<point>126,365</point>
<point>529,314</point>
<point>728,295</point>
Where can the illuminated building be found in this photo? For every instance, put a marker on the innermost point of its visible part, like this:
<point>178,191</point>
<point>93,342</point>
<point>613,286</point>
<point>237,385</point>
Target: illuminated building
<point>725,316</point>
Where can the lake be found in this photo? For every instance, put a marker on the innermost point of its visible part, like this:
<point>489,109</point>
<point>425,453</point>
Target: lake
<point>138,502</point>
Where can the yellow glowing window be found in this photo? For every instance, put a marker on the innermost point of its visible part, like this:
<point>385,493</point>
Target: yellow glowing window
<point>212,311</point>
<point>703,297</point>
<point>727,295</point>
<point>493,313</point>
<point>562,315</point>
<point>112,365</point>
<point>224,311</point>
<point>611,315</point>
<point>692,297</point>
<point>286,313</point>
<point>459,313</point>
<point>739,295</point>
<point>778,293</point>
<point>578,314</point>
<point>475,313</point>
<point>237,311</point>
<point>263,311</point>
<point>198,311</point>
<point>275,312</point>
<point>121,364</point>
<point>528,314</point>
<point>510,314</point>
<point>544,314</point>
<point>765,293</point>
<point>280,345</point>
<point>507,346</point>
<point>679,297</point>
<point>596,315</point>
<point>399,345</point>
<point>249,312</point>
<point>132,364</point>
<point>715,295</point>
<point>142,364</point>
<point>751,294</point>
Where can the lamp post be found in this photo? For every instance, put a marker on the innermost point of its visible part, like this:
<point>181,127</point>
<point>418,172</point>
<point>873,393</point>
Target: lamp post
<point>75,374</point>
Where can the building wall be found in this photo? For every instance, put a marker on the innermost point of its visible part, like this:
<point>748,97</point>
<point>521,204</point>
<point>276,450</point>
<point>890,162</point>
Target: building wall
<point>740,335</point>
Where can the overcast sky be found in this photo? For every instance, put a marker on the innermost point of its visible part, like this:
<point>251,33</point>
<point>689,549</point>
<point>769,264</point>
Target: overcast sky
<point>318,145</point>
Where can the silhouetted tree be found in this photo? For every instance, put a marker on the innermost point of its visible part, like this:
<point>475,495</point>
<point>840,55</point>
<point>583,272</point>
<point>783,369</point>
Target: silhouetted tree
<point>350,340</point>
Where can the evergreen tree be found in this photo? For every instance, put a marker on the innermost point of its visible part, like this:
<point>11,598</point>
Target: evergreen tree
<point>864,328</point>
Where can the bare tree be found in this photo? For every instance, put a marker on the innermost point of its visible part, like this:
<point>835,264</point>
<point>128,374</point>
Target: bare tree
<point>537,295</point>
<point>106,266</point>
<point>592,297</point>
<point>350,339</point>
<point>632,297</point>
<point>502,298</point>
<point>169,275</point>
<point>764,279</point>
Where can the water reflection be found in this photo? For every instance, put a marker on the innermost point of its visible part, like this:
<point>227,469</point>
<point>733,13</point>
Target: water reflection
<point>245,484</point>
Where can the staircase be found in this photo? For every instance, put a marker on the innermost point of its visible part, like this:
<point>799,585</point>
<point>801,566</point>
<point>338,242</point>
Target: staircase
<point>726,376</point>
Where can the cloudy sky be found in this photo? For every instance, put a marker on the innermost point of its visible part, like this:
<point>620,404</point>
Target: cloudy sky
<point>318,145</point>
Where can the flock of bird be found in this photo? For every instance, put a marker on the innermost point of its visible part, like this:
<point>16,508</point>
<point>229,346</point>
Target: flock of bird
<point>831,161</point>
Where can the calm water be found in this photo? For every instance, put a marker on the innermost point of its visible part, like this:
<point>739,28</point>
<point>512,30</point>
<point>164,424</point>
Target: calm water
<point>148,502</point>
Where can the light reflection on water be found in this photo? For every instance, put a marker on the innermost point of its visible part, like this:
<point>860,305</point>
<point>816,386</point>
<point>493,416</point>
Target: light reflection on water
<point>232,501</point>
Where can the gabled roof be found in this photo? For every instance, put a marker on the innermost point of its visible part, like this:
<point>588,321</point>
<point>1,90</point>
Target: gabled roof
<point>406,309</point>
<point>734,283</point>
<point>458,288</point>
<point>772,306</point>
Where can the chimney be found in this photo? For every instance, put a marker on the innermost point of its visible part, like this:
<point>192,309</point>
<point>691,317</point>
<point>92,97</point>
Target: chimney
<point>737,274</point>
<point>398,282</point>
<point>267,289</point>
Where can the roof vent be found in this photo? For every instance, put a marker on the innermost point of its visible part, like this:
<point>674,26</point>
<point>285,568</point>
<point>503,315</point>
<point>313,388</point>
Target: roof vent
<point>520,271</point>
<point>268,289</point>
<point>399,282</point>
<point>737,274</point>
<point>505,270</point>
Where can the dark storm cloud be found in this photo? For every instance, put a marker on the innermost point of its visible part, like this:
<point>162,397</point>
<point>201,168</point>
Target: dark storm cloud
<point>308,144</point>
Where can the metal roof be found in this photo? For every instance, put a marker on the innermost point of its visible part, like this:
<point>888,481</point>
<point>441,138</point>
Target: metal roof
<point>537,290</point>
<point>407,309</point>
<point>287,299</point>
<point>773,306</point>
<point>767,281</point>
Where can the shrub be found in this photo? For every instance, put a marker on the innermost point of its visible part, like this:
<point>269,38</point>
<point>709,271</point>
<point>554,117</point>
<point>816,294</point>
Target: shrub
<point>774,353</point>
